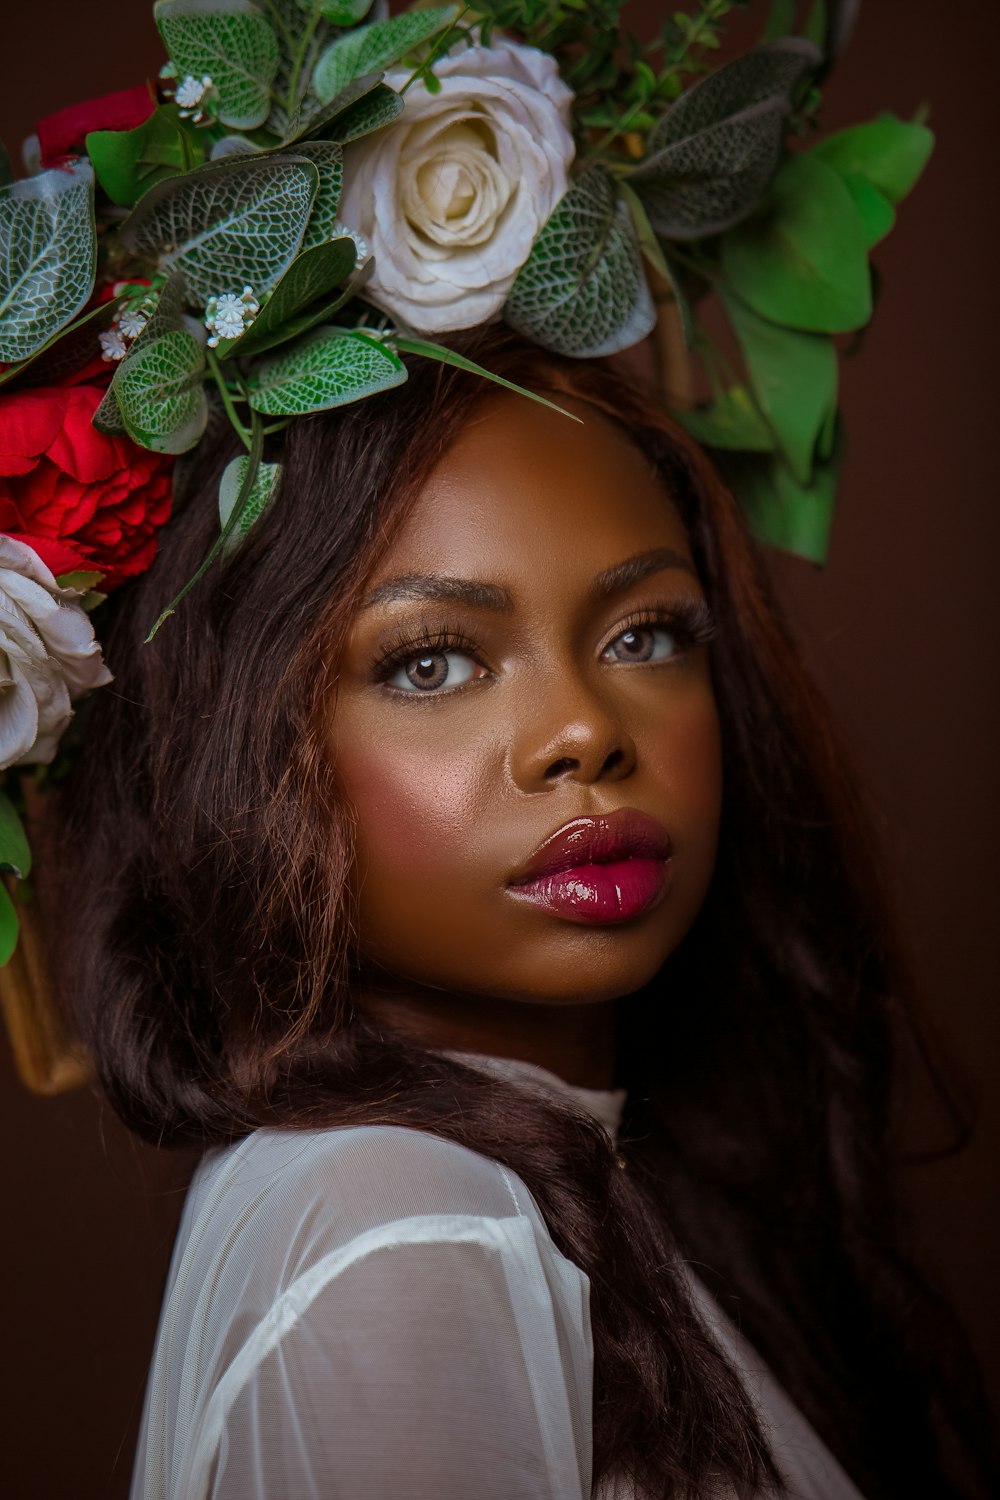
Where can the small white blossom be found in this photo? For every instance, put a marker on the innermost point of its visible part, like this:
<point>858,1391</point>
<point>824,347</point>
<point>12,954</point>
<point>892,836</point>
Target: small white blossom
<point>191,91</point>
<point>113,346</point>
<point>363,253</point>
<point>229,315</point>
<point>131,322</point>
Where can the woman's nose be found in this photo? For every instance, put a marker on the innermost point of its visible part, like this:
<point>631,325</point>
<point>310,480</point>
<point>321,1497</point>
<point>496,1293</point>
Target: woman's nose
<point>583,742</point>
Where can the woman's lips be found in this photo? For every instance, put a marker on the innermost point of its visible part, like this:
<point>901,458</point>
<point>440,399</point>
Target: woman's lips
<point>599,870</point>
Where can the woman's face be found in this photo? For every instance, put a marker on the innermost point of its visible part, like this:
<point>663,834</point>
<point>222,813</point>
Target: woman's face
<point>525,723</point>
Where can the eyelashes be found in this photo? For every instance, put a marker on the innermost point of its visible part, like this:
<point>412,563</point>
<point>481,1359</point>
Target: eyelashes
<point>689,621</point>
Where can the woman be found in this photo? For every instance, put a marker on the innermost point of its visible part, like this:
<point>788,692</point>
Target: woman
<point>329,918</point>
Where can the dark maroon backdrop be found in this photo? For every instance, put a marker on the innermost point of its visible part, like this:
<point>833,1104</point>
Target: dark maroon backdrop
<point>901,628</point>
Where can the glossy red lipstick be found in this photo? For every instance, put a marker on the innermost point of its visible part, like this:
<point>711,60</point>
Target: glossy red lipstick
<point>599,870</point>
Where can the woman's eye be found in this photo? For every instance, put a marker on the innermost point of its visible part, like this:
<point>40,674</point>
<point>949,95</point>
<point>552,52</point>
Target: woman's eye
<point>643,643</point>
<point>433,669</point>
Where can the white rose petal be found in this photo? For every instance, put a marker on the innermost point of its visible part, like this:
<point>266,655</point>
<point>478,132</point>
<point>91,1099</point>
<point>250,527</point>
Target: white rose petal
<point>48,656</point>
<point>452,198</point>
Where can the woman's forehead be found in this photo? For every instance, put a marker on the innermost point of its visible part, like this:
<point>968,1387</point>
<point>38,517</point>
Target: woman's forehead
<point>524,491</point>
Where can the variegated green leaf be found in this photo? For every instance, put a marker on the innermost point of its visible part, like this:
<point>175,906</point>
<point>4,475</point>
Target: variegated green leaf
<point>582,291</point>
<point>318,120</point>
<point>160,393</point>
<point>308,283</point>
<point>713,154</point>
<point>344,12</point>
<point>48,257</point>
<point>376,46</point>
<point>232,223</point>
<point>230,41</point>
<point>330,367</point>
<point>378,108</point>
<point>262,491</point>
<point>328,159</point>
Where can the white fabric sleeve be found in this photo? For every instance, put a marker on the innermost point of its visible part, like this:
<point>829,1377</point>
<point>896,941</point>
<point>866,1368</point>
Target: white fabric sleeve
<point>428,1359</point>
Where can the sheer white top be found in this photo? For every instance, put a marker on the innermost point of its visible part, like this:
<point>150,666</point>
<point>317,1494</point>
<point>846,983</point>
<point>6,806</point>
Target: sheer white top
<point>375,1312</point>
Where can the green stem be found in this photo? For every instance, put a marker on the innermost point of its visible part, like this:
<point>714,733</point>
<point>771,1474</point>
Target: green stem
<point>279,24</point>
<point>226,394</point>
<point>436,47</point>
<point>291,101</point>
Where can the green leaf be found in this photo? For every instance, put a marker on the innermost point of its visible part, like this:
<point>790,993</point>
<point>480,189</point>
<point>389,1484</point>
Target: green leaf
<point>780,21</point>
<point>127,162</point>
<point>160,392</point>
<point>328,159</point>
<point>782,512</point>
<point>653,251</point>
<point>79,580</point>
<point>583,291</point>
<point>9,925</point>
<point>449,357</point>
<point>233,43</point>
<point>714,152</point>
<point>67,351</point>
<point>732,421</point>
<point>15,855</point>
<point>309,279</point>
<point>240,221</point>
<point>803,259</point>
<point>48,257</point>
<point>376,46</point>
<point>793,376</point>
<point>378,108</point>
<point>889,153</point>
<point>320,120</point>
<point>258,497</point>
<point>344,12</point>
<point>329,367</point>
<point>877,213</point>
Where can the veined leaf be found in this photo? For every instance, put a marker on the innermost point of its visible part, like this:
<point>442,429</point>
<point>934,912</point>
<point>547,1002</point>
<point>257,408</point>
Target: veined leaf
<point>230,41</point>
<point>318,122</point>
<point>66,351</point>
<point>379,107</point>
<point>311,277</point>
<point>794,378</point>
<point>344,12</point>
<point>714,152</point>
<point>377,46</point>
<point>48,257</point>
<point>160,392</point>
<point>330,367</point>
<point>582,291</point>
<point>240,221</point>
<point>15,855</point>
<point>328,159</point>
<point>889,153</point>
<point>803,259</point>
<point>127,162</point>
<point>231,486</point>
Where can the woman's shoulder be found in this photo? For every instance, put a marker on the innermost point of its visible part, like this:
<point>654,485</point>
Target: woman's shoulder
<point>295,1197</point>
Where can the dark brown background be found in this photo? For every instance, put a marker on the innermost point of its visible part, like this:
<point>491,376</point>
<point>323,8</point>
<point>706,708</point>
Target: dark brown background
<point>901,628</point>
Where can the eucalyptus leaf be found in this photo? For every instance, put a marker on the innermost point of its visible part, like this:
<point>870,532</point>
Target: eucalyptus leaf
<point>310,279</point>
<point>583,291</point>
<point>732,421</point>
<point>231,223</point>
<point>160,392</point>
<point>802,260</point>
<point>230,41</point>
<point>48,256</point>
<point>378,45</point>
<point>15,855</point>
<point>714,152</point>
<point>127,162</point>
<point>260,494</point>
<point>330,367</point>
<point>793,376</point>
<point>9,925</point>
<point>889,153</point>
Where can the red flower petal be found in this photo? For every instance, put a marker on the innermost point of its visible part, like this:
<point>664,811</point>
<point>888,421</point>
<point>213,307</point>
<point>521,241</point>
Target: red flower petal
<point>62,134</point>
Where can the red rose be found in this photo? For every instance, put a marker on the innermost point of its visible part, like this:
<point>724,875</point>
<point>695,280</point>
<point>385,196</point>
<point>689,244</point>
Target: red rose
<point>63,134</point>
<point>81,499</point>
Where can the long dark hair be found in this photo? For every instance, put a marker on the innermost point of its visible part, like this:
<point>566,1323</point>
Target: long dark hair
<point>205,957</point>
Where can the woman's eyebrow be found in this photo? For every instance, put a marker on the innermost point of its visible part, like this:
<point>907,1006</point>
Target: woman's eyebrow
<point>634,569</point>
<point>439,586</point>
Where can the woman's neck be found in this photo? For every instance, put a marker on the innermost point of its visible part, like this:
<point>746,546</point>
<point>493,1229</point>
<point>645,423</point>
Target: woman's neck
<point>574,1041</point>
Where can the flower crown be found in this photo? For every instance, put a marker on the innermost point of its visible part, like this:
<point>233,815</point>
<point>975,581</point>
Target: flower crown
<point>311,191</point>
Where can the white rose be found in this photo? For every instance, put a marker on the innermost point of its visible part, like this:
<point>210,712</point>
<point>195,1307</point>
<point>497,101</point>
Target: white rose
<point>452,198</point>
<point>48,655</point>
